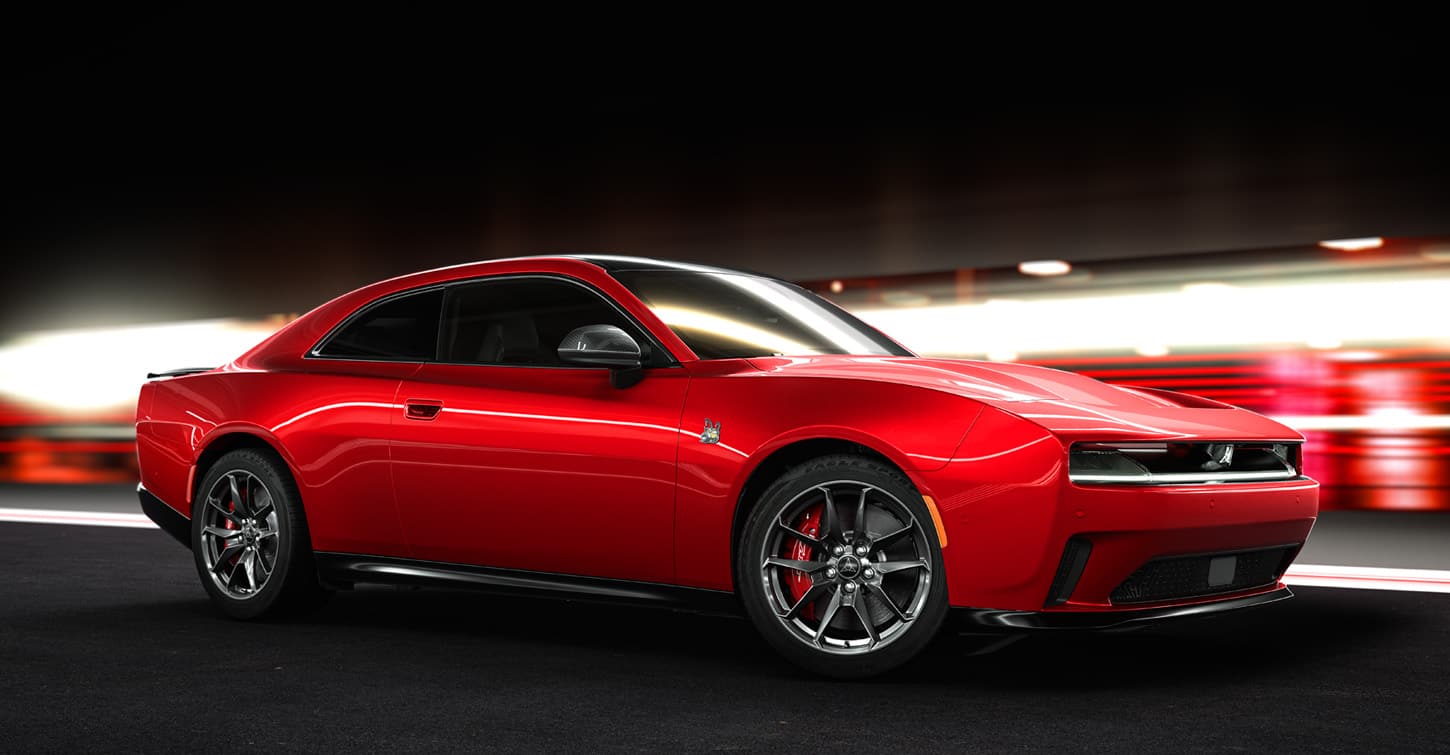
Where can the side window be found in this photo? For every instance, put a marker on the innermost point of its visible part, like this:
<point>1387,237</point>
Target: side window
<point>520,321</point>
<point>403,328</point>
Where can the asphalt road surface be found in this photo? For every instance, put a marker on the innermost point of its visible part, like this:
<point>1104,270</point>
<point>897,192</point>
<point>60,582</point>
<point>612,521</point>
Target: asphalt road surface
<point>107,642</point>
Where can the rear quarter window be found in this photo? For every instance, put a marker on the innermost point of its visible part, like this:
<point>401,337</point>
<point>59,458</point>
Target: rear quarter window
<point>402,328</point>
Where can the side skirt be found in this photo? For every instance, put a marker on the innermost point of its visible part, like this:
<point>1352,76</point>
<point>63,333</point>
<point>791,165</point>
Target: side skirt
<point>348,569</point>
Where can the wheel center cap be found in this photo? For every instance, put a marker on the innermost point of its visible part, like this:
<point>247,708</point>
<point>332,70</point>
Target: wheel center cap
<point>848,566</point>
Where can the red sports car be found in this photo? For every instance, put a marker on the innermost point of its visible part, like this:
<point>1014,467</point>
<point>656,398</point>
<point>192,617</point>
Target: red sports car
<point>616,428</point>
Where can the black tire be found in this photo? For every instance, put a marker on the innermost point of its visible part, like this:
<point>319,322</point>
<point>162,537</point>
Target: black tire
<point>291,586</point>
<point>757,588</point>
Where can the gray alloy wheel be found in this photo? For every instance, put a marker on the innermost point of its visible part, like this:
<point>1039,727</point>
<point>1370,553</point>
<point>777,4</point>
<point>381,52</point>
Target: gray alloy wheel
<point>840,569</point>
<point>249,537</point>
<point>868,563</point>
<point>239,535</point>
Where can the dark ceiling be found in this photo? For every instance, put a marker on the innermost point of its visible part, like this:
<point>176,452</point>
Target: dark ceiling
<point>188,163</point>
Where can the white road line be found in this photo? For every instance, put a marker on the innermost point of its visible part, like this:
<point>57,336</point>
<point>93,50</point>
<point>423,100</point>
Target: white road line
<point>1305,575</point>
<point>90,518</point>
<point>1368,578</point>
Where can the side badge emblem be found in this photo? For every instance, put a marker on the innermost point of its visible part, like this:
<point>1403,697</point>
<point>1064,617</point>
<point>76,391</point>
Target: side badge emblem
<point>711,434</point>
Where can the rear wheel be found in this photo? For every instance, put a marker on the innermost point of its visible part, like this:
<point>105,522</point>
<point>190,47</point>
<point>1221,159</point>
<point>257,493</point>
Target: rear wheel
<point>840,569</point>
<point>249,538</point>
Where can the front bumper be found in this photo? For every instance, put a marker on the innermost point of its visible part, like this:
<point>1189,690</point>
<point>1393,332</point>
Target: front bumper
<point>1010,513</point>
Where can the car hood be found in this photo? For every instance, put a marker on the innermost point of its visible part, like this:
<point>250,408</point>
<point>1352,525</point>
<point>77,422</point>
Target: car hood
<point>1070,405</point>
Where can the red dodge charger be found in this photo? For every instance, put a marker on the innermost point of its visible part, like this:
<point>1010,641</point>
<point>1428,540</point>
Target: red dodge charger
<point>617,428</point>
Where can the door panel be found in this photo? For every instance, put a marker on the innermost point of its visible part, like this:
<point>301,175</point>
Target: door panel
<point>541,468</point>
<point>336,425</point>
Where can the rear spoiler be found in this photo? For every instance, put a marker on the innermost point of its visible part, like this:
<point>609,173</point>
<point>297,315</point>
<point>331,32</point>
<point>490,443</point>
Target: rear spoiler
<point>178,373</point>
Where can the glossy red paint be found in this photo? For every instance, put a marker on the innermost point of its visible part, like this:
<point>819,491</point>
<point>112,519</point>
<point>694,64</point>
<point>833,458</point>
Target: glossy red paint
<point>552,469</point>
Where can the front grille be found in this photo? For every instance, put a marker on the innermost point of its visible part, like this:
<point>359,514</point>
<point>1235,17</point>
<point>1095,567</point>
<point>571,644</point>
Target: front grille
<point>1204,574</point>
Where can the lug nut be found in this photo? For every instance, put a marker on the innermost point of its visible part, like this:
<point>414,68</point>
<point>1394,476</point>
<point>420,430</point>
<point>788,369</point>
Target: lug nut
<point>870,573</point>
<point>860,550</point>
<point>831,572</point>
<point>838,550</point>
<point>850,587</point>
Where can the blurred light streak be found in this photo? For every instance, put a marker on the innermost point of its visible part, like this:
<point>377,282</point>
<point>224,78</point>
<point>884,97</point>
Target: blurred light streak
<point>1372,421</point>
<point>1269,315</point>
<point>80,371</point>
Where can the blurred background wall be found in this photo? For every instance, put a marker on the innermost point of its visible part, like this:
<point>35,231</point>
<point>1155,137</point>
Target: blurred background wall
<point>182,181</point>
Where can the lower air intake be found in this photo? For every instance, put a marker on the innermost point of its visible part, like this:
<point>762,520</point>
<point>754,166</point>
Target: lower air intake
<point>1204,574</point>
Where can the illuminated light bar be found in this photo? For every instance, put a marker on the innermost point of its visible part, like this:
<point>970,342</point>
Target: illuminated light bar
<point>1368,578</point>
<point>1044,267</point>
<point>1353,245</point>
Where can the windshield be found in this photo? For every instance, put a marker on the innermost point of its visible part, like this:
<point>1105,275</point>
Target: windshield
<point>730,315</point>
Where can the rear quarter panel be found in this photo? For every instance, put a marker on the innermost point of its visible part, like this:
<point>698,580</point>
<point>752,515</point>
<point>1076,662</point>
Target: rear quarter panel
<point>329,428</point>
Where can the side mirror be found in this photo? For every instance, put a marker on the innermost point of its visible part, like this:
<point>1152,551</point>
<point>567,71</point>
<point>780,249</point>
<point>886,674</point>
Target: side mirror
<point>605,346</point>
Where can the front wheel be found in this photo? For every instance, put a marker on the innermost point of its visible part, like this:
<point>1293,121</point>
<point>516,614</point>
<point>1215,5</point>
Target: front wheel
<point>249,538</point>
<point>840,569</point>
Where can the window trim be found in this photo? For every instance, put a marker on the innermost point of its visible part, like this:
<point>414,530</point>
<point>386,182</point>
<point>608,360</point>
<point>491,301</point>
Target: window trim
<point>653,341</point>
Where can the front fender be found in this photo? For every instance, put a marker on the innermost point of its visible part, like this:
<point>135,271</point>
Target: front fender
<point>759,413</point>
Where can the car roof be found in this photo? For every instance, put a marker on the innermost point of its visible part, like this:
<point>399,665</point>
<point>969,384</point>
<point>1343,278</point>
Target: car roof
<point>619,263</point>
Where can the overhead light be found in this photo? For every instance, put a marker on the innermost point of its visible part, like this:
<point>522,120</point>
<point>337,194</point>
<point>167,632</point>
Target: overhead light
<point>837,287</point>
<point>1354,245</point>
<point>1208,287</point>
<point>1152,350</point>
<point>1044,267</point>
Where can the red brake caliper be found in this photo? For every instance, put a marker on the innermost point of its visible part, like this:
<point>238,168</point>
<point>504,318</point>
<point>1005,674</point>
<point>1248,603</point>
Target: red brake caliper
<point>798,582</point>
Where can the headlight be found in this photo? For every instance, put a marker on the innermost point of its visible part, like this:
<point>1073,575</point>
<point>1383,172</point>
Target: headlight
<point>1182,463</point>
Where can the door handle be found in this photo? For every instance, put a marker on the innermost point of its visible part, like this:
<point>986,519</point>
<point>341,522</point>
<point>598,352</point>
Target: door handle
<point>422,409</point>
